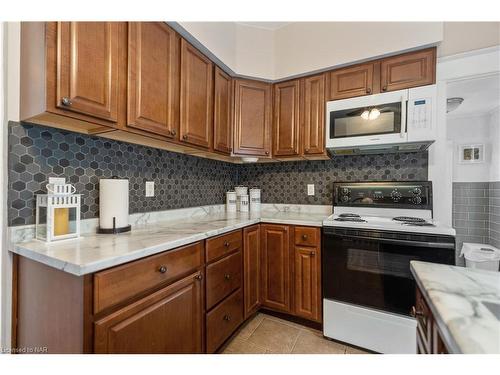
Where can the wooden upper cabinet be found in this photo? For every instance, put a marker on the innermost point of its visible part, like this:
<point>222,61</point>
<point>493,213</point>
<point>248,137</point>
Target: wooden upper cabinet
<point>154,324</point>
<point>313,115</point>
<point>275,263</point>
<point>223,103</point>
<point>252,118</point>
<point>408,70</point>
<point>88,65</point>
<point>286,124</point>
<point>153,78</point>
<point>351,81</point>
<point>196,97</point>
<point>251,269</point>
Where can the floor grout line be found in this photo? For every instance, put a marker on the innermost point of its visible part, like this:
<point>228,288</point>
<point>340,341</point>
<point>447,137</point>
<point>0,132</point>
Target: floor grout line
<point>295,342</point>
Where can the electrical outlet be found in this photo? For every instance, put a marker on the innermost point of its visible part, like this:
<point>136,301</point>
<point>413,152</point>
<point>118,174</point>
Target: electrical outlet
<point>150,188</point>
<point>310,189</point>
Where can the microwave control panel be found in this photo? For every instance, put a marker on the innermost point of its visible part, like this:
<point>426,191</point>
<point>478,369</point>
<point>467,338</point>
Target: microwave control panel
<point>422,114</point>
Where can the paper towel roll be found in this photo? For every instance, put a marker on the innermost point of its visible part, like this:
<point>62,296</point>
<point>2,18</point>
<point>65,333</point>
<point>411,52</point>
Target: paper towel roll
<point>113,203</point>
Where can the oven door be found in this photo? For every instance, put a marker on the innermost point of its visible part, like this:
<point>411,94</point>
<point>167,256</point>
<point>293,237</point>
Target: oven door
<point>368,120</point>
<point>375,272</point>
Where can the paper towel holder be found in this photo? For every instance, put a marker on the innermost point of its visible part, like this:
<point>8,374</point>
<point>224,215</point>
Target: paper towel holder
<point>115,229</point>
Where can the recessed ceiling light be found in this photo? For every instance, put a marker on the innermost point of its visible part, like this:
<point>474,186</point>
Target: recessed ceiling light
<point>453,103</point>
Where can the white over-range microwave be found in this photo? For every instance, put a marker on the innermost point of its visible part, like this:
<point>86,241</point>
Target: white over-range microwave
<point>398,121</point>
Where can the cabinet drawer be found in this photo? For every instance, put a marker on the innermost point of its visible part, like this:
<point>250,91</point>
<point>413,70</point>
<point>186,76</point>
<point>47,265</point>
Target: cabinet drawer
<point>307,236</point>
<point>221,245</point>
<point>120,283</point>
<point>223,277</point>
<point>223,320</point>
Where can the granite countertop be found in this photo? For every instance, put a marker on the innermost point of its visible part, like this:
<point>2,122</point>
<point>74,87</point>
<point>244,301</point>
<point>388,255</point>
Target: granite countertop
<point>95,252</point>
<point>456,296</point>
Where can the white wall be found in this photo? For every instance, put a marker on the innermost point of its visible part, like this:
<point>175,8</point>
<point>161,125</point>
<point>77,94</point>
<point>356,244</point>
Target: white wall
<point>255,56</point>
<point>469,130</point>
<point>309,46</point>
<point>467,36</point>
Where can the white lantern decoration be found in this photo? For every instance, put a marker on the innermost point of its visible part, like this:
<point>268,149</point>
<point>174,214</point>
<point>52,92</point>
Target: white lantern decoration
<point>58,213</point>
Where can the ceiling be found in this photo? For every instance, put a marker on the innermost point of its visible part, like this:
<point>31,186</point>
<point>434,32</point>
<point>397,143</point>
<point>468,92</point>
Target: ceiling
<point>481,95</point>
<point>265,25</point>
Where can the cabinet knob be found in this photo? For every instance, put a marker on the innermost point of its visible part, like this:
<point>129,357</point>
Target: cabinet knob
<point>198,277</point>
<point>226,244</point>
<point>267,152</point>
<point>185,137</point>
<point>162,269</point>
<point>384,88</point>
<point>227,318</point>
<point>368,90</point>
<point>313,253</point>
<point>173,132</point>
<point>66,101</point>
<point>306,150</point>
<point>414,312</point>
<point>304,237</point>
<point>227,277</point>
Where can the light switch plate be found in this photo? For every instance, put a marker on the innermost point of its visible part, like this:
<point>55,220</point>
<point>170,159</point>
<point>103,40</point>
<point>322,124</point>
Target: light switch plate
<point>310,189</point>
<point>150,188</point>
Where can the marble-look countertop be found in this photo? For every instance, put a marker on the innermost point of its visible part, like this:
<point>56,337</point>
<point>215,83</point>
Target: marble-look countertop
<point>456,295</point>
<point>95,252</point>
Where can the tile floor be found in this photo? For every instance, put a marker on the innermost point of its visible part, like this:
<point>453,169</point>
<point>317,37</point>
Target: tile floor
<point>265,334</point>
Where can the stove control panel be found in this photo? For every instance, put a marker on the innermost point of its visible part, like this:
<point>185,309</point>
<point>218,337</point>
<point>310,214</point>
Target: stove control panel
<point>383,194</point>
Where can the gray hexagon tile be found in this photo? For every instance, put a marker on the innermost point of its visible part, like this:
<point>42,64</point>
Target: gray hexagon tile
<point>36,152</point>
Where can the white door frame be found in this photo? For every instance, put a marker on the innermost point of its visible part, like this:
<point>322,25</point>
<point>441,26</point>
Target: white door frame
<point>466,65</point>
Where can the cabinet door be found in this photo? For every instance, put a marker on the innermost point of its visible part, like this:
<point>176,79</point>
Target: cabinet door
<point>154,324</point>
<point>408,70</point>
<point>251,269</point>
<point>196,97</point>
<point>286,119</point>
<point>313,115</point>
<point>307,292</point>
<point>275,261</point>
<point>88,68</point>
<point>223,125</point>
<point>252,118</point>
<point>153,78</point>
<point>351,81</point>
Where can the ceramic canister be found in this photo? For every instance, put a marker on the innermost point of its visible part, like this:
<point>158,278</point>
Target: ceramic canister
<point>254,199</point>
<point>231,201</point>
<point>244,203</point>
<point>240,190</point>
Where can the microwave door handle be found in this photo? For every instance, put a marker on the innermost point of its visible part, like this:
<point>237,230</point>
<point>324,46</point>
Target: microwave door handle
<point>403,116</point>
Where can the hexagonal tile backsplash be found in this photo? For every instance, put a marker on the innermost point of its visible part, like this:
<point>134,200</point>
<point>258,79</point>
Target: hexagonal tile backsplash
<point>36,153</point>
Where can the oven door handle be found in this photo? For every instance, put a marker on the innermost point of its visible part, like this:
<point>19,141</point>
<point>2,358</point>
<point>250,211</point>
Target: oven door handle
<point>438,245</point>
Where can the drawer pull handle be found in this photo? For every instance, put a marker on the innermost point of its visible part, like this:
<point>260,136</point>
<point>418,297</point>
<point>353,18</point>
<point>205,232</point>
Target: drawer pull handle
<point>304,237</point>
<point>226,244</point>
<point>198,277</point>
<point>162,269</point>
<point>414,312</point>
<point>66,101</point>
<point>227,277</point>
<point>227,318</point>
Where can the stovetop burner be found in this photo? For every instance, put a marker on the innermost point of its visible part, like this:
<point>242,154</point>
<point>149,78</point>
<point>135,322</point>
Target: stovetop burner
<point>349,215</point>
<point>420,224</point>
<point>350,218</point>
<point>409,219</point>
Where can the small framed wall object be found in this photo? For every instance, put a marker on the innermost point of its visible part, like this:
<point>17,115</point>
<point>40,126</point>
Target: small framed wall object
<point>471,153</point>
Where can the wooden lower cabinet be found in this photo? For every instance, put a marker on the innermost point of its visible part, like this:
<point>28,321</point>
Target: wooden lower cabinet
<point>251,269</point>
<point>429,339</point>
<point>307,287</point>
<point>275,263</point>
<point>167,321</point>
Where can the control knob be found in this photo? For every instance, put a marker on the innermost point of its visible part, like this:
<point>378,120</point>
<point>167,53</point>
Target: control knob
<point>396,195</point>
<point>416,191</point>
<point>416,200</point>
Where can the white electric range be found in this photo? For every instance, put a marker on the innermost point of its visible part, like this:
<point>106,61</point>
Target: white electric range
<point>375,231</point>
